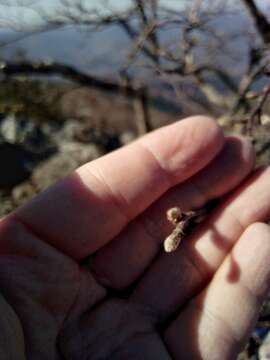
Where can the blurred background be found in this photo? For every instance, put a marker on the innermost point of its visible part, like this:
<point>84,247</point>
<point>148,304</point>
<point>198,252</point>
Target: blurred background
<point>80,78</point>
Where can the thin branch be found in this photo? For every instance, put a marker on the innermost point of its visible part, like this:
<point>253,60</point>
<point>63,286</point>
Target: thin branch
<point>261,22</point>
<point>245,85</point>
<point>258,110</point>
<point>142,115</point>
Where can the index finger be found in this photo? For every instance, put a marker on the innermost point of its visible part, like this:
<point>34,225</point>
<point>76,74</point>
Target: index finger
<point>87,209</point>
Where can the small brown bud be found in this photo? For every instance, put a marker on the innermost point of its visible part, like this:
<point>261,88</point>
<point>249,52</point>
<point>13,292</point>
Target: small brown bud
<point>173,240</point>
<point>181,221</point>
<point>174,215</point>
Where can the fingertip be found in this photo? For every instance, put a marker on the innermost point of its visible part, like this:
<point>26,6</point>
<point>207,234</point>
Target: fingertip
<point>206,133</point>
<point>209,124</point>
<point>258,228</point>
<point>206,125</point>
<point>255,241</point>
<point>193,143</point>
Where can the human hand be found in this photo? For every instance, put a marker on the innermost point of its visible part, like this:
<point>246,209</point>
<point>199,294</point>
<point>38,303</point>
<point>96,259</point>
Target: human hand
<point>132,301</point>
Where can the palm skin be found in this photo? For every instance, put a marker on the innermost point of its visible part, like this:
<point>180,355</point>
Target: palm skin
<point>133,301</point>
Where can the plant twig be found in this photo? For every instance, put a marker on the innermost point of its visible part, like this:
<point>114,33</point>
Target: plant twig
<point>257,111</point>
<point>181,220</point>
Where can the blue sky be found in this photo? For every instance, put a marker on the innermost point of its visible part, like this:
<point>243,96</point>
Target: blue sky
<point>76,47</point>
<point>17,17</point>
<point>27,15</point>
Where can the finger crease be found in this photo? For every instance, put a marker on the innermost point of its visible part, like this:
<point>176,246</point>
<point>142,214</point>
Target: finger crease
<point>237,220</point>
<point>117,199</point>
<point>202,274</point>
<point>167,177</point>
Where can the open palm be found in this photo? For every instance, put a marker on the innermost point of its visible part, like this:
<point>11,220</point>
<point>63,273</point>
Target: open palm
<point>131,300</point>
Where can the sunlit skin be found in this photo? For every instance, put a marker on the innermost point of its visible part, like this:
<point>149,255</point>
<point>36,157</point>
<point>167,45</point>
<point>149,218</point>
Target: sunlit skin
<point>132,300</point>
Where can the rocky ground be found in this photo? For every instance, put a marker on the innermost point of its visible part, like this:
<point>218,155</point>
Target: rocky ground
<point>47,131</point>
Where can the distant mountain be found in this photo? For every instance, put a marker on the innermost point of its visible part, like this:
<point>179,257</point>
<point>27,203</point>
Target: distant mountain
<point>101,51</point>
<point>104,52</point>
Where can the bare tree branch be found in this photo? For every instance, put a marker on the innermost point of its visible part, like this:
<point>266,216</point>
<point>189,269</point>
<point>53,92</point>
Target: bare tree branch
<point>42,68</point>
<point>174,58</point>
<point>262,24</point>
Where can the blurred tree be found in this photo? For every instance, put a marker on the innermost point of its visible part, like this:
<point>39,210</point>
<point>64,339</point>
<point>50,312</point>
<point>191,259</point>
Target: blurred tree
<point>204,51</point>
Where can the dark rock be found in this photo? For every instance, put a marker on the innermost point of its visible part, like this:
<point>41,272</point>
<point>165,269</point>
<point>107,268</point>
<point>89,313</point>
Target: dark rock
<point>13,164</point>
<point>29,135</point>
<point>108,140</point>
<point>2,116</point>
<point>6,203</point>
<point>39,145</point>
